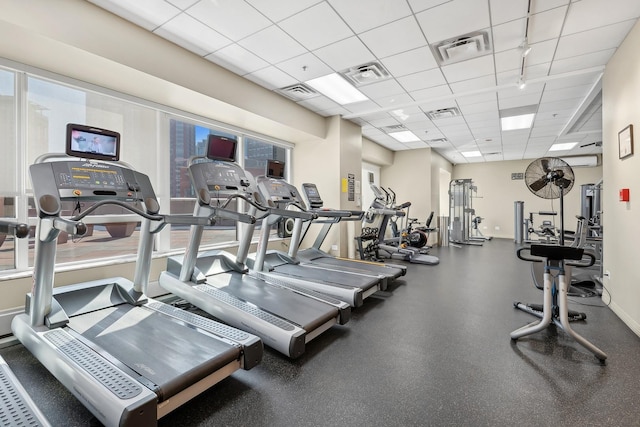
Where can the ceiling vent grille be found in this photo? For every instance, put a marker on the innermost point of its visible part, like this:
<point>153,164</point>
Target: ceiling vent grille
<point>298,92</point>
<point>393,128</point>
<point>461,48</point>
<point>443,113</point>
<point>365,74</point>
<point>437,141</point>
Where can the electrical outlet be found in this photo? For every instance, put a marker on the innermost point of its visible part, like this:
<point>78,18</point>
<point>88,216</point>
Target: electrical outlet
<point>497,228</point>
<point>334,247</point>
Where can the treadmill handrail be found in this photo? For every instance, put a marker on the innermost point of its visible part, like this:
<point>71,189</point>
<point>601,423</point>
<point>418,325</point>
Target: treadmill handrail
<point>14,228</point>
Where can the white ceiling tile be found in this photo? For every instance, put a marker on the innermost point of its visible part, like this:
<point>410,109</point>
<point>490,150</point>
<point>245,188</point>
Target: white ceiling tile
<point>366,106</point>
<point>429,93</point>
<point>587,14</point>
<point>509,35</point>
<point>508,60</point>
<point>345,54</point>
<point>233,19</point>
<point>542,53</point>
<point>271,78</point>
<point>601,38</point>
<point>316,27</point>
<point>147,14</point>
<point>581,62</point>
<point>551,95</point>
<point>422,80</point>
<point>420,5</point>
<point>546,25</point>
<point>453,19</point>
<point>507,10</point>
<point>394,100</point>
<point>305,67</point>
<point>396,37</point>
<point>410,62</point>
<point>237,59</point>
<point>273,45</point>
<point>362,15</point>
<point>542,5</point>
<point>471,85</point>
<point>319,103</point>
<point>183,4</point>
<point>488,107</point>
<point>281,9</point>
<point>381,89</point>
<point>520,101</point>
<point>186,31</point>
<point>469,69</point>
<point>475,100</point>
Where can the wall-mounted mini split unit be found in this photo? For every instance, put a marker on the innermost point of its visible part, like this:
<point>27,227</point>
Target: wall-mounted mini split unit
<point>461,48</point>
<point>298,92</point>
<point>365,74</point>
<point>443,113</point>
<point>582,161</point>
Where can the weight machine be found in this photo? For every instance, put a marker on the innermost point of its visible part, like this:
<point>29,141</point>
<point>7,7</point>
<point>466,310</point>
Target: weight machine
<point>461,213</point>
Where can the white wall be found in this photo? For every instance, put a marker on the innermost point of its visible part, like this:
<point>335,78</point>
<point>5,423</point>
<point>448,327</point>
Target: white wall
<point>621,107</point>
<point>497,193</point>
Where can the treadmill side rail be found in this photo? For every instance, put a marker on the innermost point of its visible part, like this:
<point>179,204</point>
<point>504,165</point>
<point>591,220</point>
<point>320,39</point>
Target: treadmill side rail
<point>17,408</point>
<point>134,407</point>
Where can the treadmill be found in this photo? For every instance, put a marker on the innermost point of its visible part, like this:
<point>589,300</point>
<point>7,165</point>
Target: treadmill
<point>16,406</point>
<point>129,359</point>
<point>327,217</point>
<point>347,284</point>
<point>285,316</point>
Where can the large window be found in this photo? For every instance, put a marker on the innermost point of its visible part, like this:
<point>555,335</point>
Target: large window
<point>8,172</point>
<point>34,113</point>
<point>112,231</point>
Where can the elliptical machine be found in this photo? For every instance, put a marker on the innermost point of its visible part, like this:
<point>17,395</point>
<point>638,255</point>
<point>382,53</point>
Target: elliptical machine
<point>374,226</point>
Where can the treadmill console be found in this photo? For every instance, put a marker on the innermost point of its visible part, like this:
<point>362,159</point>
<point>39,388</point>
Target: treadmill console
<point>278,191</point>
<point>312,196</point>
<point>54,182</point>
<point>217,179</point>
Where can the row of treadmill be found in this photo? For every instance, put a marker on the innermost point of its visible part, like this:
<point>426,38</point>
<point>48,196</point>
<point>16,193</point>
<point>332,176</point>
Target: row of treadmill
<point>131,359</point>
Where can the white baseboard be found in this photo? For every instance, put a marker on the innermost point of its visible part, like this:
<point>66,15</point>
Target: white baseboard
<point>628,320</point>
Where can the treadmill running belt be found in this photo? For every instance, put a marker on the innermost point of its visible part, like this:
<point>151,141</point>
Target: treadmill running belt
<point>157,347</point>
<point>305,312</point>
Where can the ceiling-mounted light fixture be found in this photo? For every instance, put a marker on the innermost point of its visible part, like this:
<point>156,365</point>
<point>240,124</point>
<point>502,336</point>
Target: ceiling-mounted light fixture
<point>522,82</point>
<point>337,88</point>
<point>526,47</point>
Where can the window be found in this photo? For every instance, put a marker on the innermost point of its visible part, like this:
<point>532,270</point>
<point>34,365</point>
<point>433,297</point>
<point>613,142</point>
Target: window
<point>8,171</point>
<point>154,142</point>
<point>50,106</point>
<point>185,141</point>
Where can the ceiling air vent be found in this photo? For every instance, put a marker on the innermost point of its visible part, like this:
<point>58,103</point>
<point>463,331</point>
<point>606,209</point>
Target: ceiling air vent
<point>393,128</point>
<point>461,48</point>
<point>365,74</point>
<point>437,141</point>
<point>298,92</point>
<point>443,113</point>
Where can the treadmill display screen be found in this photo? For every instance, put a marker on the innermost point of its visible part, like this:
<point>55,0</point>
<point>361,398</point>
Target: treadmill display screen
<point>221,148</point>
<point>275,169</point>
<point>92,143</point>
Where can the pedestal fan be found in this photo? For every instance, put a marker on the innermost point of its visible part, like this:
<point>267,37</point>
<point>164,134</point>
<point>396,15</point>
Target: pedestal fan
<point>551,178</point>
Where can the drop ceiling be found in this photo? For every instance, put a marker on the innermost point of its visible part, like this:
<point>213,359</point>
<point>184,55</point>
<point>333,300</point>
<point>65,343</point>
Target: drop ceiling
<point>444,70</point>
